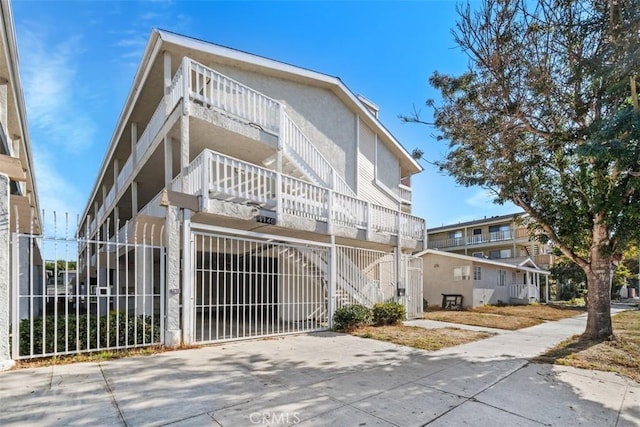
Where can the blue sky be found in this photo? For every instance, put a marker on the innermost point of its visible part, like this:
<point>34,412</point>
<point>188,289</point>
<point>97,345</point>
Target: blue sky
<point>78,58</point>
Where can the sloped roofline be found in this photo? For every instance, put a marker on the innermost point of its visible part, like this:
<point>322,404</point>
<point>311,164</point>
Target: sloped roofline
<point>283,67</point>
<point>485,261</point>
<point>499,218</point>
<point>152,49</point>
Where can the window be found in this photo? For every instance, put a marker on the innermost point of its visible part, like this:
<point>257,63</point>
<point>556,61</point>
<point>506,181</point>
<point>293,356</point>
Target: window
<point>502,253</point>
<point>462,273</point>
<point>502,277</point>
<point>478,254</point>
<point>477,231</point>
<point>477,273</point>
<point>455,234</point>
<point>499,232</point>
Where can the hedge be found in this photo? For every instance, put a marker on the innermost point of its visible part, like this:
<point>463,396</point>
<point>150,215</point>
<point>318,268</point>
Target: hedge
<point>91,332</point>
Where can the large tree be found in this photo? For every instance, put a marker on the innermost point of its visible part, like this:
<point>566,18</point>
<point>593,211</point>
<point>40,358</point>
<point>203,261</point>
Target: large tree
<point>547,117</point>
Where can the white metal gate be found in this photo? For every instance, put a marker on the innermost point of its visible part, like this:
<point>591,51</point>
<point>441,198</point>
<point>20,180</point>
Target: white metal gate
<point>74,295</point>
<point>364,276</point>
<point>414,290</point>
<point>247,288</point>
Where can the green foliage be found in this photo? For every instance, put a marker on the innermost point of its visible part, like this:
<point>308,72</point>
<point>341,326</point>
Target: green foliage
<point>351,316</point>
<point>542,118</point>
<point>60,265</point>
<point>425,304</point>
<point>388,313</point>
<point>86,332</point>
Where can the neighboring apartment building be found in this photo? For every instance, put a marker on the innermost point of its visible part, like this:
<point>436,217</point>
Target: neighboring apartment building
<point>267,195</point>
<point>19,210</point>
<point>502,238</point>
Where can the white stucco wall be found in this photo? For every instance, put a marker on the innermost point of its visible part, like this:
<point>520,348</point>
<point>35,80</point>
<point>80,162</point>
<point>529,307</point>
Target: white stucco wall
<point>486,290</point>
<point>438,279</point>
<point>329,124</point>
<point>367,173</point>
<point>388,167</point>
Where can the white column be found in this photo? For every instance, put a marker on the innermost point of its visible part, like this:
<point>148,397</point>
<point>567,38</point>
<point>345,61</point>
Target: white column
<point>333,265</point>
<point>4,108</point>
<point>134,198</point>
<point>187,279</point>
<point>168,160</point>
<point>5,282</point>
<point>116,166</point>
<point>134,141</point>
<point>144,276</point>
<point>184,149</point>
<point>172,278</point>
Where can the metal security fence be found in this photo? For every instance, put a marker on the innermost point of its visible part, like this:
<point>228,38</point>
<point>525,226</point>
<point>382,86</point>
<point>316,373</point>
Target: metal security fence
<point>414,296</point>
<point>246,288</point>
<point>73,295</point>
<point>364,276</point>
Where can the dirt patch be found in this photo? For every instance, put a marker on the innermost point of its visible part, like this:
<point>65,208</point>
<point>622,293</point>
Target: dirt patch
<point>621,354</point>
<point>504,317</point>
<point>422,338</point>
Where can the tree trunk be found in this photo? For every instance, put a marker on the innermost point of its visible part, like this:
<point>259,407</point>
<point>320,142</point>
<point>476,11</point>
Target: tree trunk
<point>599,287</point>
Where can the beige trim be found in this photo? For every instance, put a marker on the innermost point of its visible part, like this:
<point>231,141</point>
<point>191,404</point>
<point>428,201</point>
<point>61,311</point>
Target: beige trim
<point>12,167</point>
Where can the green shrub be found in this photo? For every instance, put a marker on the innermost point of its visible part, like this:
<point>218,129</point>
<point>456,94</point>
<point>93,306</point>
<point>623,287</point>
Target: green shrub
<point>425,304</point>
<point>351,316</point>
<point>388,313</point>
<point>86,332</point>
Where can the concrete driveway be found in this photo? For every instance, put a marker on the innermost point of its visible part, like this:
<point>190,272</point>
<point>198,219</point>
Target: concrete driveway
<point>327,379</point>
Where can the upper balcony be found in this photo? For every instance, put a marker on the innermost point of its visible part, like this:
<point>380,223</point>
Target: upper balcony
<point>518,234</point>
<point>324,197</point>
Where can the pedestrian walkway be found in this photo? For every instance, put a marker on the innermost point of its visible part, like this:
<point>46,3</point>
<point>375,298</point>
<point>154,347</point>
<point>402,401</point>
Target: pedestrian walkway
<point>328,379</point>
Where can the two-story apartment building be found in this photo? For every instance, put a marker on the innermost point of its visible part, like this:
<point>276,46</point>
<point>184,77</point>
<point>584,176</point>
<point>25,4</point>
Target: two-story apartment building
<point>260,195</point>
<point>502,238</point>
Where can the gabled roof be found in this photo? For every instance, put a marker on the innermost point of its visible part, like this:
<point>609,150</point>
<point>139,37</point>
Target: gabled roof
<point>521,266</point>
<point>282,68</point>
<point>159,37</point>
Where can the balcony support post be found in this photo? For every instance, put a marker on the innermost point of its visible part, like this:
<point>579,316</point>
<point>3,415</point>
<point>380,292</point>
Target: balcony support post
<point>369,219</point>
<point>184,150</point>
<point>172,284</point>
<point>186,84</point>
<point>187,279</point>
<point>134,141</point>
<point>330,203</point>
<point>116,170</point>
<point>5,278</point>
<point>168,160</point>
<point>134,198</point>
<point>331,291</point>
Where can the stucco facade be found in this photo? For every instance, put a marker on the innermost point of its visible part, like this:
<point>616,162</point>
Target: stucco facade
<point>218,145</point>
<point>481,281</point>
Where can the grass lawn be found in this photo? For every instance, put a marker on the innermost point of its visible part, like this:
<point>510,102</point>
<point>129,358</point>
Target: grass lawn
<point>621,355</point>
<point>510,317</point>
<point>425,339</point>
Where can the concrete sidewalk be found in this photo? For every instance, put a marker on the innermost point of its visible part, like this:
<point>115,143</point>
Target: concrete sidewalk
<point>328,379</point>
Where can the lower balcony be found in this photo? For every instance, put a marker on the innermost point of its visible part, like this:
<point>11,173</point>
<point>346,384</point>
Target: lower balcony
<point>232,188</point>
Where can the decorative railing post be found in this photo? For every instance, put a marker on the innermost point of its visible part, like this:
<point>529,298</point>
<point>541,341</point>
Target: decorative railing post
<point>186,85</point>
<point>369,217</point>
<point>330,208</point>
<point>206,167</point>
<point>279,196</point>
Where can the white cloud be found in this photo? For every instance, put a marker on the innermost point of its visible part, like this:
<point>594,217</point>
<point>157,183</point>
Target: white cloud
<point>482,199</point>
<point>49,81</point>
<point>60,127</point>
<point>58,196</point>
